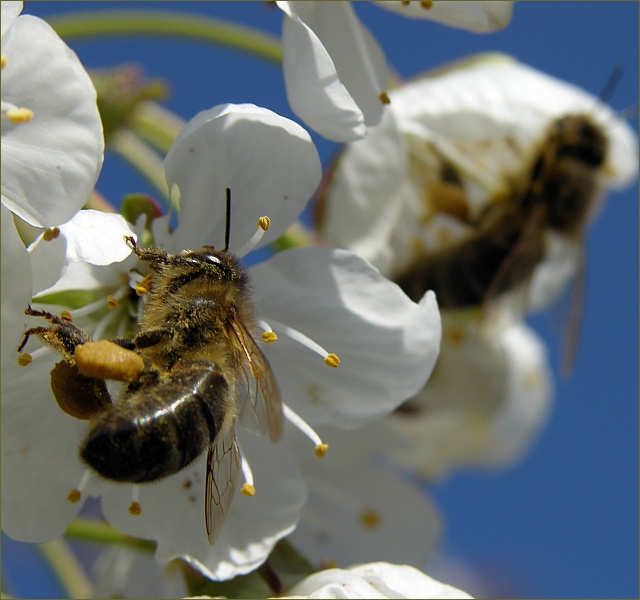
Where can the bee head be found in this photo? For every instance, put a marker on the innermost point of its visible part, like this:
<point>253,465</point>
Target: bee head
<point>220,264</point>
<point>581,138</point>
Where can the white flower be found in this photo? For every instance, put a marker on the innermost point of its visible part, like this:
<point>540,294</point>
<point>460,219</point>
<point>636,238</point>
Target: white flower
<point>335,72</point>
<point>485,118</point>
<point>52,146</point>
<point>360,507</point>
<point>485,403</point>
<point>374,580</point>
<point>272,168</point>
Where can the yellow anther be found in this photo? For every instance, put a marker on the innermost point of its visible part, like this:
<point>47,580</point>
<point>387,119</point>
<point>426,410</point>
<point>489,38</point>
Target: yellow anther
<point>65,316</point>
<point>426,4</point>
<point>248,490</point>
<point>321,449</point>
<point>264,223</point>
<point>3,61</point>
<point>24,359</point>
<point>144,286</point>
<point>50,234</point>
<point>74,496</point>
<point>454,335</point>
<point>384,98</point>
<point>135,509</point>
<point>268,337</point>
<point>112,302</point>
<point>332,360</point>
<point>370,519</point>
<point>406,2</point>
<point>19,115</point>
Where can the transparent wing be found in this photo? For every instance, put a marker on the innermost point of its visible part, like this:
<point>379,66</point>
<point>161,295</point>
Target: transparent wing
<point>223,466</point>
<point>257,394</point>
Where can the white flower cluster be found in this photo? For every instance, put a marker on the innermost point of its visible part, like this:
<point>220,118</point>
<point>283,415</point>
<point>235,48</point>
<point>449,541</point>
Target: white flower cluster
<point>490,389</point>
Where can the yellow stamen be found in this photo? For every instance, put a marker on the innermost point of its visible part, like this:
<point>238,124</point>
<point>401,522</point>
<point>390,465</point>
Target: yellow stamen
<point>384,98</point>
<point>65,315</point>
<point>370,519</point>
<point>426,4</point>
<point>264,223</point>
<point>332,360</point>
<point>321,449</point>
<point>50,234</point>
<point>248,490</point>
<point>74,496</point>
<point>3,61</point>
<point>19,115</point>
<point>268,337</point>
<point>24,359</point>
<point>112,302</point>
<point>135,509</point>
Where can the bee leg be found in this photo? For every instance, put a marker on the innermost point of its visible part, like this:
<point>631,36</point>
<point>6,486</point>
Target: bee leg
<point>153,255</point>
<point>151,337</point>
<point>124,342</point>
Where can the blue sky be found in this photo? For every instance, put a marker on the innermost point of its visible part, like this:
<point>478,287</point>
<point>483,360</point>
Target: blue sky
<point>563,521</point>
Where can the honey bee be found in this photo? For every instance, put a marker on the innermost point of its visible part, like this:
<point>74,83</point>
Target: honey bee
<point>557,192</point>
<point>200,369</point>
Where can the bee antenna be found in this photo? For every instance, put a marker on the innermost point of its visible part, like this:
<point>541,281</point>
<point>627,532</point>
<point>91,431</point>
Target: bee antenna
<point>610,84</point>
<point>227,230</point>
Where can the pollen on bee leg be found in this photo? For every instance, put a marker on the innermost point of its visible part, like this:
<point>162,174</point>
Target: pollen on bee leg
<point>134,508</point>
<point>296,420</point>
<point>75,494</point>
<point>263,225</point>
<point>330,359</point>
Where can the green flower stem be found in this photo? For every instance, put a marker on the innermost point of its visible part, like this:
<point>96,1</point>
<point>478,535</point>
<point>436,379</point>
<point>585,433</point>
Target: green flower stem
<point>157,125</point>
<point>67,569</point>
<point>94,531</point>
<point>142,158</point>
<point>94,24</point>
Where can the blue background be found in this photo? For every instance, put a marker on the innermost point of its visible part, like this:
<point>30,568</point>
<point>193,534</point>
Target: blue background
<point>563,522</point>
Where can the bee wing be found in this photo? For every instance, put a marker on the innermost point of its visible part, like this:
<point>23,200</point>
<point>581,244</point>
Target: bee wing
<point>223,466</point>
<point>258,394</point>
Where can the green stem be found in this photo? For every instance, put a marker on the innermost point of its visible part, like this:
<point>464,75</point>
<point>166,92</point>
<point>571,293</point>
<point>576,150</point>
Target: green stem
<point>95,531</point>
<point>68,570</point>
<point>157,125</point>
<point>167,23</point>
<point>141,157</point>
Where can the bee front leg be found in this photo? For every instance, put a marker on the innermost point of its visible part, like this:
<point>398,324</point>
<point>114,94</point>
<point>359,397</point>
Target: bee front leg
<point>151,337</point>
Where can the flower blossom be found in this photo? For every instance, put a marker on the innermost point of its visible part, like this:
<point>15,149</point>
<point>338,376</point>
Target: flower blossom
<point>453,145</point>
<point>52,145</point>
<point>310,297</point>
<point>374,580</point>
<point>335,72</point>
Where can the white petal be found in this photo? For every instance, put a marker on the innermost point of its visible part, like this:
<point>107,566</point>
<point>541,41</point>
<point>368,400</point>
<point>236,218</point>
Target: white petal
<point>40,463</point>
<point>16,287</point>
<point>487,400</point>
<point>269,163</point>
<point>387,343</point>
<point>49,164</point>
<point>375,580</point>
<point>173,513</point>
<point>364,203</point>
<point>481,17</point>
<point>10,10</point>
<point>90,236</point>
<point>359,508</point>
<point>330,60</point>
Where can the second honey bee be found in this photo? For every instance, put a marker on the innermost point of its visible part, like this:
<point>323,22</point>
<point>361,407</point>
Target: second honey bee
<point>556,193</point>
<point>201,369</point>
